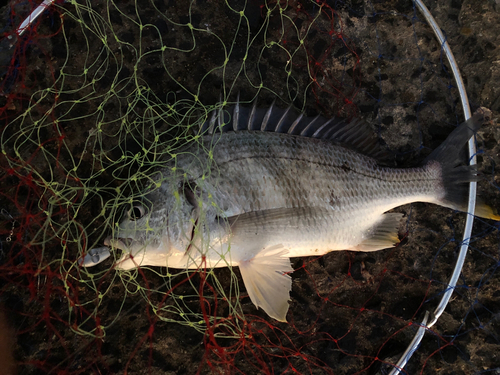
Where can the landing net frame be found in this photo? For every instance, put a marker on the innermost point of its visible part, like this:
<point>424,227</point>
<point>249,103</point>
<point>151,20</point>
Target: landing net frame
<point>464,246</point>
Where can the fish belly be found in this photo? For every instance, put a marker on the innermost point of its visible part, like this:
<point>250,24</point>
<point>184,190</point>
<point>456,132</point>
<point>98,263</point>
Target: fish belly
<point>308,195</point>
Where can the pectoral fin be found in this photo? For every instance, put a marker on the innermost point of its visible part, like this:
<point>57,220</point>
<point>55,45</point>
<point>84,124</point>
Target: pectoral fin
<point>269,222</point>
<point>267,283</point>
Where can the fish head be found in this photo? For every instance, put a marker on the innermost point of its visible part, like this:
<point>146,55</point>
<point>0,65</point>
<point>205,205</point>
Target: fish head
<point>154,232</point>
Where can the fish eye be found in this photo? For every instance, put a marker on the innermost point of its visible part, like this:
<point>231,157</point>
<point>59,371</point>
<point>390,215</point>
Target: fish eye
<point>136,212</point>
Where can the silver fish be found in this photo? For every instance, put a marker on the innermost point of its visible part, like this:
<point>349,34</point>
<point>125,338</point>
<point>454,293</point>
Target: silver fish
<point>277,186</point>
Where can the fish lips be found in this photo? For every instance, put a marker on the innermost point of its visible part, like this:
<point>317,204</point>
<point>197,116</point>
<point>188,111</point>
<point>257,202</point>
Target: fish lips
<point>136,253</point>
<point>130,249</point>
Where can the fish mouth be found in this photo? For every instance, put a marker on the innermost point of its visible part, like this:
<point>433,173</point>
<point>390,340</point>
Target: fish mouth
<point>126,245</point>
<point>122,243</point>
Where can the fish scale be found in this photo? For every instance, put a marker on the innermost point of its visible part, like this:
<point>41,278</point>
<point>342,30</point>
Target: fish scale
<point>253,198</point>
<point>309,177</point>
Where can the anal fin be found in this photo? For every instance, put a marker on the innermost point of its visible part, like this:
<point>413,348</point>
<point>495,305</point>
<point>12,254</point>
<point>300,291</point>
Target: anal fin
<point>266,281</point>
<point>383,235</point>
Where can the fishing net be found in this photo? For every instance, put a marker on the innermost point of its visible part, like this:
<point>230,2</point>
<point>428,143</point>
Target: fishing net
<point>98,96</point>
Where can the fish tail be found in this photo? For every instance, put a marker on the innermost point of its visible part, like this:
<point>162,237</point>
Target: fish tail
<point>455,178</point>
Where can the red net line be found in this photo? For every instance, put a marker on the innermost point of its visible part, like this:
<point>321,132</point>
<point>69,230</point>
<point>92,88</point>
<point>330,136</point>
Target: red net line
<point>346,330</point>
<point>326,44</point>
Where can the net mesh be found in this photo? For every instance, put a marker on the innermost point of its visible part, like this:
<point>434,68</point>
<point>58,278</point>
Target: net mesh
<point>97,96</point>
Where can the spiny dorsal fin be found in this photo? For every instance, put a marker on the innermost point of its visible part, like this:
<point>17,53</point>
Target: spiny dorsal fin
<point>355,135</point>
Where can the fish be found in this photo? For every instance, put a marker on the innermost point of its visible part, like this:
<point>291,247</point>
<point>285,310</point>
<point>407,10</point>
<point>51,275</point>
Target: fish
<point>261,186</point>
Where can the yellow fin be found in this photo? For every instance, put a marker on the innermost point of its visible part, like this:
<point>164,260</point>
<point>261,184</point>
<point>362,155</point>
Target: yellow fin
<point>483,210</point>
<point>383,234</point>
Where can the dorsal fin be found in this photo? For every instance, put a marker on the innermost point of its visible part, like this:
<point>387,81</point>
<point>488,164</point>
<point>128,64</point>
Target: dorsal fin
<point>355,135</point>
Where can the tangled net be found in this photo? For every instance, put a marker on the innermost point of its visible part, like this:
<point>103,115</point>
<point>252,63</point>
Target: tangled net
<point>97,96</point>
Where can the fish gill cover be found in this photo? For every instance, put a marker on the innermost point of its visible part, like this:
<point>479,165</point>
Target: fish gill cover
<point>96,96</point>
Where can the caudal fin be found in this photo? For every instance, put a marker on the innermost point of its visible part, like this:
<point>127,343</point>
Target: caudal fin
<point>455,178</point>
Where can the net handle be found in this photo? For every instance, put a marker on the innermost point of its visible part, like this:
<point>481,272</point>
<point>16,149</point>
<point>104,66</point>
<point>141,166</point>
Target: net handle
<point>33,16</point>
<point>413,346</point>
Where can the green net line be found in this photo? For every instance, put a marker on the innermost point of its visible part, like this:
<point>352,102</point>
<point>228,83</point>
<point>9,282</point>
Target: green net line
<point>122,87</point>
<point>101,97</point>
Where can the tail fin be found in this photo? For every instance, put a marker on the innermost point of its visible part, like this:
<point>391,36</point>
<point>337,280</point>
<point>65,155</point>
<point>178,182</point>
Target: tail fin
<point>456,178</point>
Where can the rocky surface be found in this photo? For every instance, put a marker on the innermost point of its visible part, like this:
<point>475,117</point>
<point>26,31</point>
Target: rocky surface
<point>350,312</point>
